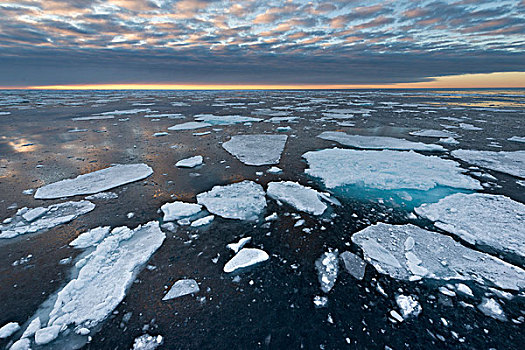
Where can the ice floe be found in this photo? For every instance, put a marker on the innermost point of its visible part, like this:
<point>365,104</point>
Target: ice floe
<point>353,264</point>
<point>300,197</point>
<point>93,117</point>
<point>244,258</point>
<point>408,252</point>
<point>181,288</point>
<point>517,139</point>
<point>21,344</point>
<point>178,210</point>
<point>189,162</point>
<point>147,342</point>
<point>31,329</point>
<point>102,196</point>
<point>377,142</point>
<point>239,245</point>
<point>9,329</point>
<point>203,221</point>
<point>43,218</point>
<point>483,219</point>
<point>434,133</point>
<point>104,276</point>
<point>243,200</point>
<point>408,305</point>
<point>512,163</point>
<point>225,119</point>
<point>386,170</point>
<point>492,308</point>
<point>257,149</point>
<point>91,237</point>
<point>47,334</point>
<point>97,181</point>
<point>327,268</point>
<point>189,126</point>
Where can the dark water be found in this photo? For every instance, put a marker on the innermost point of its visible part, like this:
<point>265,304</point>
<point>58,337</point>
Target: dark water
<point>272,304</point>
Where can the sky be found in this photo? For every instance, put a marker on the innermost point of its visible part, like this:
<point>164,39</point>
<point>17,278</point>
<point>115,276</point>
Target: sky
<point>262,43</point>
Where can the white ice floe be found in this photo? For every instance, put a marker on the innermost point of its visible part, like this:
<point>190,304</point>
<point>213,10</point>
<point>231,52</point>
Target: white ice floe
<point>225,119</point>
<point>512,163</point>
<point>127,111</point>
<point>492,308</point>
<point>9,329</point>
<point>466,126</point>
<point>300,197</point>
<point>158,134</point>
<point>483,219</point>
<point>102,196</point>
<point>386,170</point>
<point>43,218</point>
<point>257,149</point>
<point>203,221</point>
<point>93,117</point>
<point>165,115</point>
<point>244,258</point>
<point>97,181</point>
<point>178,210</point>
<point>517,139</point>
<point>353,264</point>
<point>189,162</point>
<point>104,276</point>
<point>281,119</point>
<point>91,237</point>
<point>21,344</point>
<point>31,329</point>
<point>327,268</point>
<point>189,126</point>
<point>47,335</point>
<point>243,200</point>
<point>147,342</point>
<point>239,245</point>
<point>181,288</point>
<point>408,252</point>
<point>433,133</point>
<point>377,142</point>
<point>274,170</point>
<point>448,141</point>
<point>409,306</point>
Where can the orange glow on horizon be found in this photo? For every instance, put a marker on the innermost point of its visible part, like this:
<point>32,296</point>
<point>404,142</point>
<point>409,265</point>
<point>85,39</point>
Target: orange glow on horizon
<point>464,81</point>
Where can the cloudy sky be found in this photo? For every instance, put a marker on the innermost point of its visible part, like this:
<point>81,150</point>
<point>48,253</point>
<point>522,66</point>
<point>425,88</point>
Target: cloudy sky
<point>48,42</point>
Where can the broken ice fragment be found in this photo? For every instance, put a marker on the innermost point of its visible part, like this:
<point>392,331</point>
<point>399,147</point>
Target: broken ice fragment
<point>203,221</point>
<point>238,246</point>
<point>90,238</point>
<point>189,126</point>
<point>178,210</point>
<point>181,288</point>
<point>492,308</point>
<point>147,342</point>
<point>243,200</point>
<point>327,267</point>
<point>8,329</point>
<point>320,301</point>
<point>34,326</point>
<point>225,119</point>
<point>43,219</point>
<point>300,197</point>
<point>409,305</point>
<point>47,334</point>
<point>97,181</point>
<point>434,133</point>
<point>483,219</point>
<point>434,256</point>
<point>189,162</point>
<point>512,163</point>
<point>353,264</point>
<point>258,149</point>
<point>244,258</point>
<point>377,142</point>
<point>21,344</point>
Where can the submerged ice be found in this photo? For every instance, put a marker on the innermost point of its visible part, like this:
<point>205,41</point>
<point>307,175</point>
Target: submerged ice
<point>258,149</point>
<point>97,181</point>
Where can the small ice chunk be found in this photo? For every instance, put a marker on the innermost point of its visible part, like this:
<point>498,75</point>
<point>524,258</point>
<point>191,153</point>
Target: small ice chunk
<point>258,149</point>
<point>244,258</point>
<point>189,126</point>
<point>82,331</point>
<point>448,141</point>
<point>28,191</point>
<point>91,237</point>
<point>225,119</point>
<point>178,210</point>
<point>353,264</point>
<point>21,344</point>
<point>464,289</point>
<point>97,181</point>
<point>377,142</point>
<point>434,133</point>
<point>9,329</point>
<point>147,342</point>
<point>189,162</point>
<point>239,245</point>
<point>42,219</point>
<point>102,196</point>
<point>320,301</point>
<point>203,221</point>
<point>181,288</point>
<point>516,139</point>
<point>158,134</point>
<point>492,308</point>
<point>300,197</point>
<point>47,334</point>
<point>409,306</point>
<point>466,126</point>
<point>274,170</point>
<point>34,326</point>
<point>243,200</point>
<point>327,268</point>
<point>512,163</point>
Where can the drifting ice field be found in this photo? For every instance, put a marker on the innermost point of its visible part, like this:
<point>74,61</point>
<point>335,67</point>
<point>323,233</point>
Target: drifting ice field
<point>300,219</point>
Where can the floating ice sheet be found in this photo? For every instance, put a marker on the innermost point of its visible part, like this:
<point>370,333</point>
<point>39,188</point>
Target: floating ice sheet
<point>377,142</point>
<point>512,163</point>
<point>104,276</point>
<point>178,210</point>
<point>97,181</point>
<point>434,133</point>
<point>189,126</point>
<point>517,138</point>
<point>189,162</point>
<point>353,264</point>
<point>181,288</point>
<point>408,252</point>
<point>258,149</point>
<point>386,170</point>
<point>43,218</point>
<point>243,200</point>
<point>300,197</point>
<point>225,119</point>
<point>244,258</point>
<point>483,219</point>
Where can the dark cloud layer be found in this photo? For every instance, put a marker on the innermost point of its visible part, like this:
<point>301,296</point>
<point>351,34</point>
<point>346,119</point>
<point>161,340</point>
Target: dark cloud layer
<point>255,41</point>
